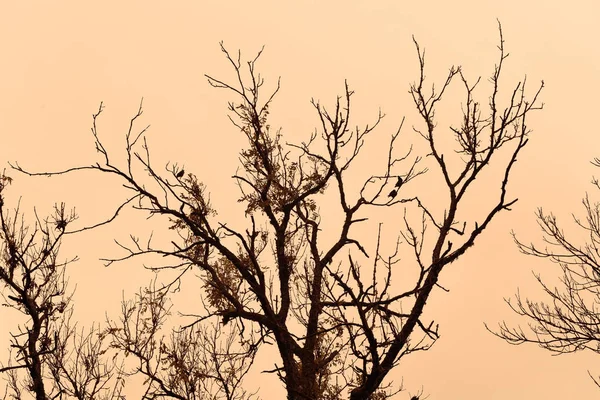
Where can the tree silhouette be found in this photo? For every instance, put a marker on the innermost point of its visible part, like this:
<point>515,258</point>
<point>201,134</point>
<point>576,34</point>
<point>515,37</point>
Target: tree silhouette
<point>329,309</point>
<point>57,360</point>
<point>567,320</point>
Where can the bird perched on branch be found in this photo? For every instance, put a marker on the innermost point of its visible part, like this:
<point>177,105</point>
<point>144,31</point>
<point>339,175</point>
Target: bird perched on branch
<point>180,174</point>
<point>400,182</point>
<point>393,194</point>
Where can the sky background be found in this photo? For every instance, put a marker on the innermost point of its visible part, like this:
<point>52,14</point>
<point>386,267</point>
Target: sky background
<point>60,59</point>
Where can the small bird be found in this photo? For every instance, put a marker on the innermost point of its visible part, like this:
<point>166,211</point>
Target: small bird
<point>180,174</point>
<point>393,193</point>
<point>400,181</point>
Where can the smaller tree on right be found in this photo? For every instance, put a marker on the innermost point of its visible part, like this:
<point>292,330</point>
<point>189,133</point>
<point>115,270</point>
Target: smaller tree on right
<point>568,319</point>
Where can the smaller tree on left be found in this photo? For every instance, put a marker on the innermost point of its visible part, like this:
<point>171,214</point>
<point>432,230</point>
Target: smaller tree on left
<point>49,356</point>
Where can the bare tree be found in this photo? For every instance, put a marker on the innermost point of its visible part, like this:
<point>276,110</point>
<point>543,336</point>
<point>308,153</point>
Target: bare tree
<point>202,362</point>
<point>337,322</point>
<point>568,319</point>
<point>58,361</point>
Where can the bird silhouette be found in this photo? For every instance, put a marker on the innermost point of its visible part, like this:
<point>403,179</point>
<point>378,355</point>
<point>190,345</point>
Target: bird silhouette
<point>400,182</point>
<point>393,193</point>
<point>180,174</point>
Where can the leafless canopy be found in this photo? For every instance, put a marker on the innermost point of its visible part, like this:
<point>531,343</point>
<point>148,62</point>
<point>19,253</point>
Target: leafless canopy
<point>49,359</point>
<point>567,320</point>
<point>340,326</point>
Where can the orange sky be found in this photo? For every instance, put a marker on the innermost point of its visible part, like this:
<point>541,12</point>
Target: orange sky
<point>60,59</point>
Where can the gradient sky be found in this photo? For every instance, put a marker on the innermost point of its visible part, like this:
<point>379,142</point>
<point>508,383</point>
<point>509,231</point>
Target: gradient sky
<point>60,59</point>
